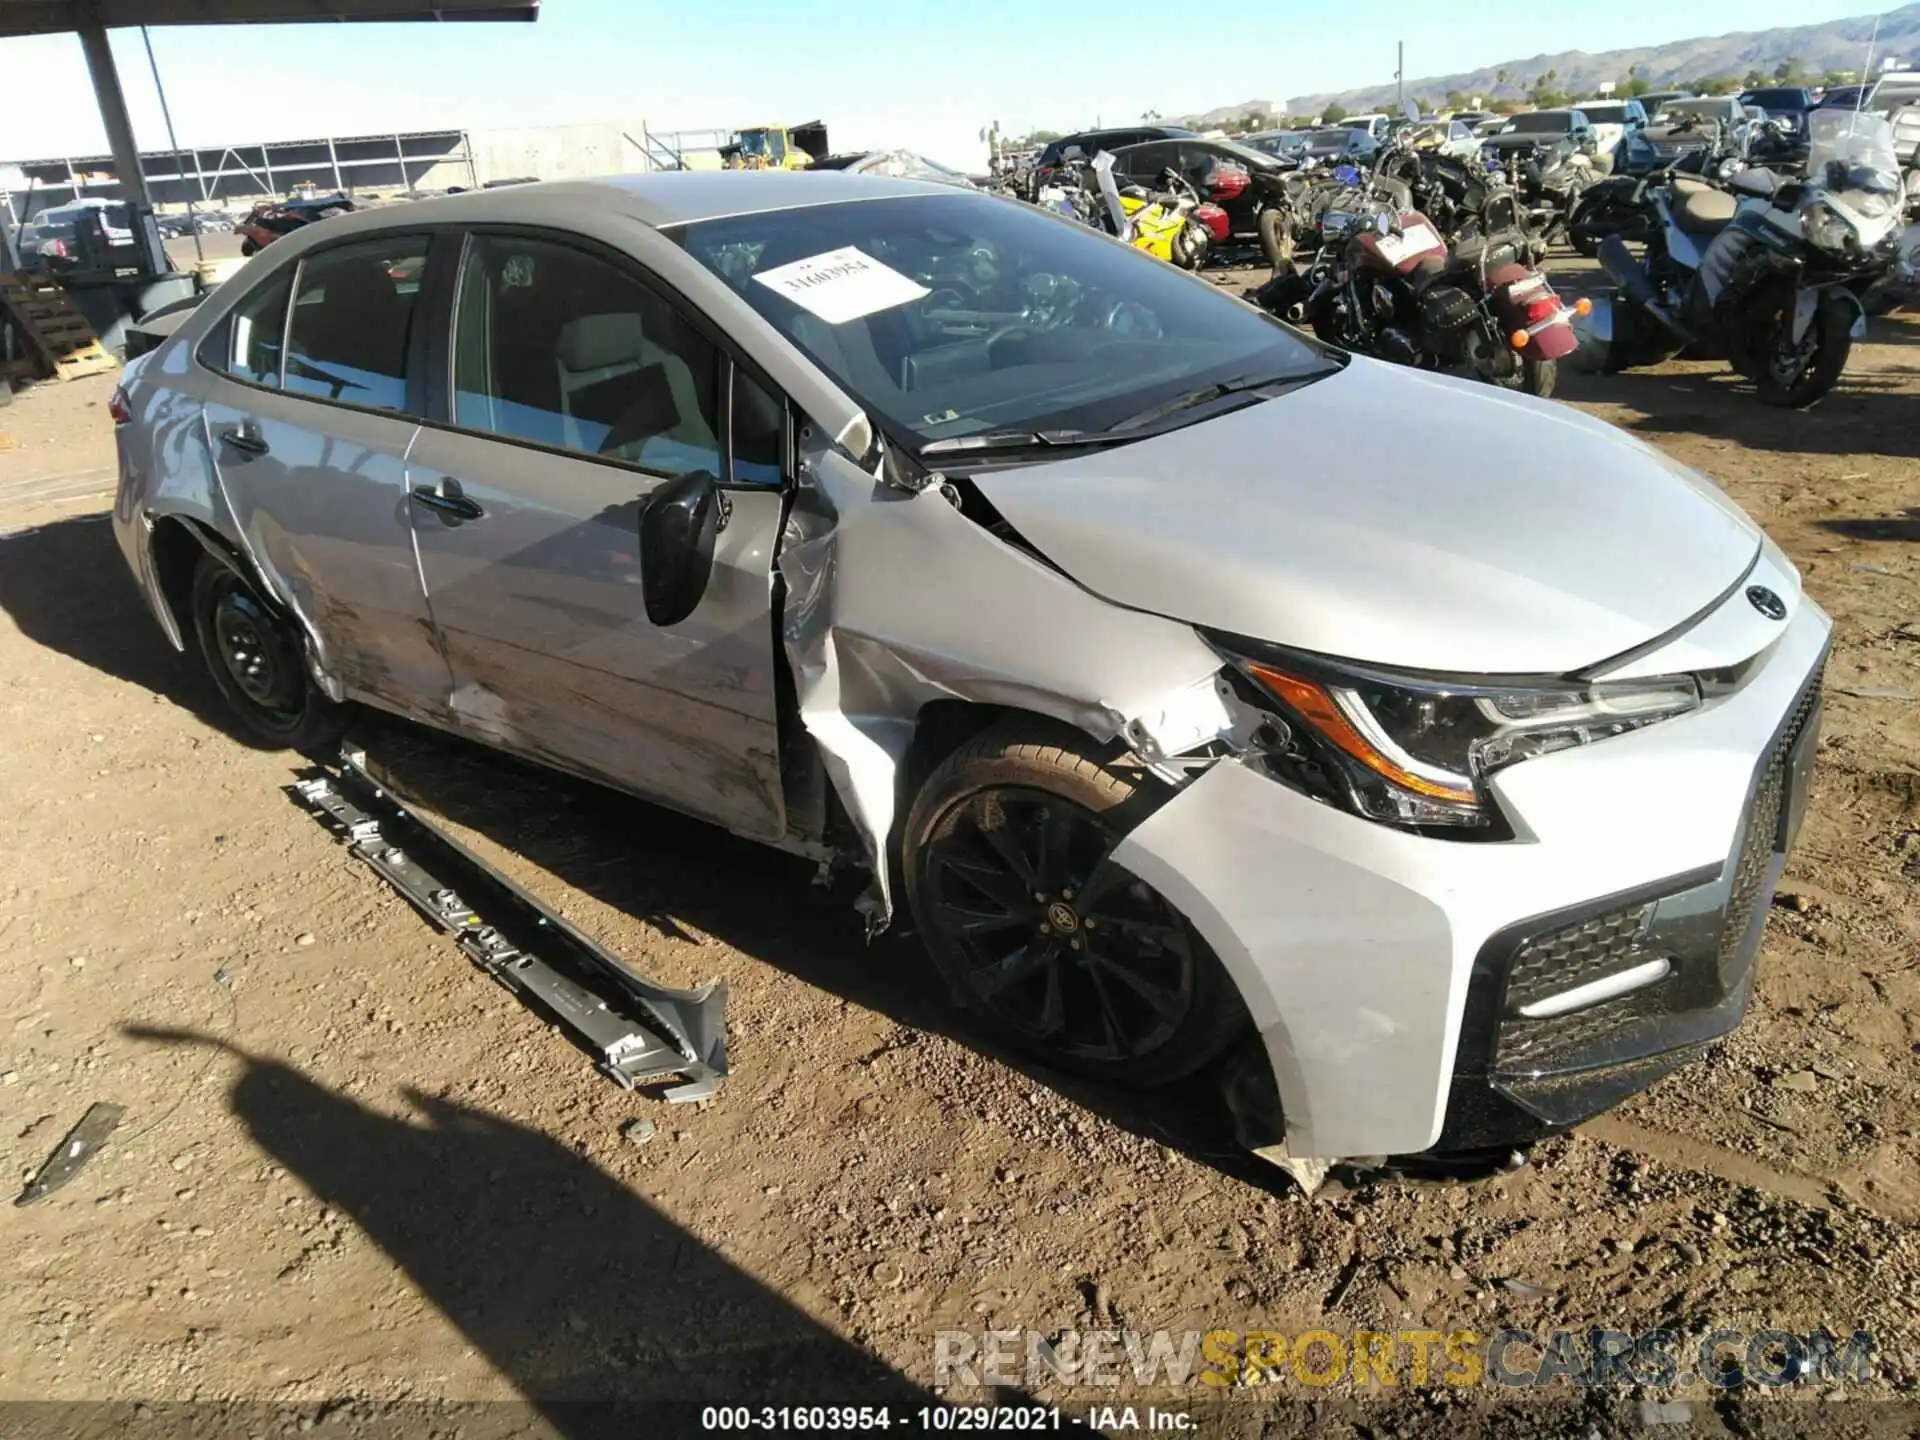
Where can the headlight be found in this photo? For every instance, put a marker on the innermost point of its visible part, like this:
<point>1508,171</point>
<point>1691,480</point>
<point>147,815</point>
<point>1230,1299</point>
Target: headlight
<point>1415,752</point>
<point>1822,228</point>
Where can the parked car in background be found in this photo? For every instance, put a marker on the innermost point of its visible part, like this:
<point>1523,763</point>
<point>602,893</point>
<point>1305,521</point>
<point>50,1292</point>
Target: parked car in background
<point>1473,118</point>
<point>1613,121</point>
<point>1375,125</point>
<point>1654,99</point>
<point>47,240</point>
<point>1087,143</point>
<point>1456,136</point>
<point>1093,639</point>
<point>1536,135</point>
<point>902,164</point>
<point>1333,143</point>
<point>1248,184</point>
<point>1789,103</point>
<point>1681,127</point>
<point>1843,97</point>
<point>1287,146</point>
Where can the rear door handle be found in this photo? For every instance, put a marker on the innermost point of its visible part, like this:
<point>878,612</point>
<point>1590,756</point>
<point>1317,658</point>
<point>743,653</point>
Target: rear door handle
<point>245,437</point>
<point>448,501</point>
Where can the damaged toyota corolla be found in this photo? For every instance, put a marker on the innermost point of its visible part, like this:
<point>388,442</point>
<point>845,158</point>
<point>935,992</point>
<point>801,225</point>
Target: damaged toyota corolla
<point>1421,753</point>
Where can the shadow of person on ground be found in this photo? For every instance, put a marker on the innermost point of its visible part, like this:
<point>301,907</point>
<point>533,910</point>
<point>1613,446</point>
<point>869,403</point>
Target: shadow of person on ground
<point>1905,526</point>
<point>598,1308</point>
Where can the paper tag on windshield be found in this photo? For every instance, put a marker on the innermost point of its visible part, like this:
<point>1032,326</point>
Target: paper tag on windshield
<point>841,285</point>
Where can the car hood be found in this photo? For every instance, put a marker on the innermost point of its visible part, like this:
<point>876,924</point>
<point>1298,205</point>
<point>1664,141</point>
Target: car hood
<point>1395,517</point>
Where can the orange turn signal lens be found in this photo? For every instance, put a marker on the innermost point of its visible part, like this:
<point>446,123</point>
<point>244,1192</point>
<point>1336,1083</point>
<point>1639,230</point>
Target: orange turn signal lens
<point>1518,339</point>
<point>1583,306</point>
<point>1322,711</point>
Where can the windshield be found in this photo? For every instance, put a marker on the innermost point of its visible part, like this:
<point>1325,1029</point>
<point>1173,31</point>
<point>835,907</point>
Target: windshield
<point>1606,114</point>
<point>1851,150</point>
<point>1541,122</point>
<point>950,315</point>
<point>1776,99</point>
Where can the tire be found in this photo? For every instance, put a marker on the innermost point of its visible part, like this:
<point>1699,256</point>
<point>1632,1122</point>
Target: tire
<point>1833,342</point>
<point>1106,979</point>
<point>1276,238</point>
<point>1532,376</point>
<point>257,662</point>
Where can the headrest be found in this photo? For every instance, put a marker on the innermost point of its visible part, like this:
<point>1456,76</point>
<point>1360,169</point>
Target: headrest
<point>594,342</point>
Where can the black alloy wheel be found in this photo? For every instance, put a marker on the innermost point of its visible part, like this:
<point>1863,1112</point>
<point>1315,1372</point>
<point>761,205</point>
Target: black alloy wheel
<point>1070,957</point>
<point>1062,946</point>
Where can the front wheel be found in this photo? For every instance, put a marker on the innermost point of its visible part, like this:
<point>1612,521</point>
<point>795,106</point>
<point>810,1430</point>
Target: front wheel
<point>1276,238</point>
<point>1794,376</point>
<point>1070,958</point>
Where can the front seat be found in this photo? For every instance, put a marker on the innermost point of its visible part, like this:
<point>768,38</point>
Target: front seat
<point>601,362</point>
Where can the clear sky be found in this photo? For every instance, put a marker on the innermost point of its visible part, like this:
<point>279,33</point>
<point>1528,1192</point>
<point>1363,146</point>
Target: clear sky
<point>879,72</point>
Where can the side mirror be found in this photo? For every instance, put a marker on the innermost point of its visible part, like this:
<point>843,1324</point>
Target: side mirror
<point>678,524</point>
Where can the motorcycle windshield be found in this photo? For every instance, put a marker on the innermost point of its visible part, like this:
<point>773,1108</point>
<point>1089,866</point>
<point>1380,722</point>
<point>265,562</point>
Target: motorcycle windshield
<point>1854,141</point>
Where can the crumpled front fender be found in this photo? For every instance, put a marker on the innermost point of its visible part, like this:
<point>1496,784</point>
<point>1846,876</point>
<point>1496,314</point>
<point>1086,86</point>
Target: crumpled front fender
<point>895,599</point>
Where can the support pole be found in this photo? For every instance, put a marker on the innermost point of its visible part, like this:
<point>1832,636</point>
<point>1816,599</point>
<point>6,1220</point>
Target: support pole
<point>126,154</point>
<point>1400,75</point>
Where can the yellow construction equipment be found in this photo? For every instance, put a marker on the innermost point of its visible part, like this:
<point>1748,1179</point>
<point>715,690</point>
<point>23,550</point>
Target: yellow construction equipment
<point>776,147</point>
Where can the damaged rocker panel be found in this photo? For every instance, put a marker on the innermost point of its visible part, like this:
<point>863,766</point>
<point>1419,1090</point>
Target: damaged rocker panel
<point>640,1033</point>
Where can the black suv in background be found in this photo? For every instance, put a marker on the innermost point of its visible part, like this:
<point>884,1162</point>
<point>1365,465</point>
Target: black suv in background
<point>1782,102</point>
<point>1089,143</point>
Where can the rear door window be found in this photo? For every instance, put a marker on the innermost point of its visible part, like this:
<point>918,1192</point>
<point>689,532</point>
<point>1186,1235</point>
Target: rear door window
<point>352,320</point>
<point>245,344</point>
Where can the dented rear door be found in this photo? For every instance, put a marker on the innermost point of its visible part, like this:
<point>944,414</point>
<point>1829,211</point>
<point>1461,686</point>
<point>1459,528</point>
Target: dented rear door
<point>311,454</point>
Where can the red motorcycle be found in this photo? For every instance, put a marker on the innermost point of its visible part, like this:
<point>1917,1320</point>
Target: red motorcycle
<point>1388,285</point>
<point>271,219</point>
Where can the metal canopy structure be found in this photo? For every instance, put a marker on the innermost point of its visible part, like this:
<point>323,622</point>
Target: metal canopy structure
<point>91,19</point>
<point>53,17</point>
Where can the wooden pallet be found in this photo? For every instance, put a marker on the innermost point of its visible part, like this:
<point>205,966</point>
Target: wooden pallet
<point>57,335</point>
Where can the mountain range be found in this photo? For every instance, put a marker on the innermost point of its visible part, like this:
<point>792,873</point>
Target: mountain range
<point>1835,45</point>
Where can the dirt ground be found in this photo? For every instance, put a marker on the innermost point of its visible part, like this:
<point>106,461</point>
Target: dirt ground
<point>351,1166</point>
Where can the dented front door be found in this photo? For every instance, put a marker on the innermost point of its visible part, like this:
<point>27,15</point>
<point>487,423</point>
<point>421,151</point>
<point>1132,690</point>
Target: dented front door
<point>534,583</point>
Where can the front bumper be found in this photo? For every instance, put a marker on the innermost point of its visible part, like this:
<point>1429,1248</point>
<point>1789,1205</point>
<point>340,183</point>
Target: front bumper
<point>1385,971</point>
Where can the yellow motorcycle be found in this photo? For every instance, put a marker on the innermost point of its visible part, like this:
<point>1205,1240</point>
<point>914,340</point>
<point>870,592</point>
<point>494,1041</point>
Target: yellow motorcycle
<point>1168,223</point>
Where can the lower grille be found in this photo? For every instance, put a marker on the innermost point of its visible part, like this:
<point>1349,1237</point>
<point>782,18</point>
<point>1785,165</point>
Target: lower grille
<point>1709,962</point>
<point>1762,837</point>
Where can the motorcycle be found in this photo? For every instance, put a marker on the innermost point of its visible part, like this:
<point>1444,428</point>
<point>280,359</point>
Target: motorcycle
<point>1618,204</point>
<point>1171,223</point>
<point>1551,179</point>
<point>1387,284</point>
<point>271,219</point>
<point>1767,274</point>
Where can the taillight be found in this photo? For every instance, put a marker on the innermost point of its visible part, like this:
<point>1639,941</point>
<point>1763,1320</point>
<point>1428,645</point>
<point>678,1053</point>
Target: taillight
<point>1228,181</point>
<point>117,406</point>
<point>1543,309</point>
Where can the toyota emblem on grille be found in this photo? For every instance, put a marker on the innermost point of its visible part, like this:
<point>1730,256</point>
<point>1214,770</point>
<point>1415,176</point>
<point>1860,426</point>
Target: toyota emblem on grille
<point>1766,602</point>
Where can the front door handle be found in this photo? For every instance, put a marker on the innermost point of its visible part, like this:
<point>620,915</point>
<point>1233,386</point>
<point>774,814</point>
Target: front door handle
<point>448,501</point>
<point>245,437</point>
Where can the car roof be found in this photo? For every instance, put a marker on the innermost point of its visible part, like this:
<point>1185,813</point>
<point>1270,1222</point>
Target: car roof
<point>658,200</point>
